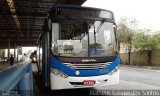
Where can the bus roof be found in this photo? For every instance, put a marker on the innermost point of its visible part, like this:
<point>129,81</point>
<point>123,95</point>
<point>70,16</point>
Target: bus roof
<point>77,6</point>
<point>80,7</point>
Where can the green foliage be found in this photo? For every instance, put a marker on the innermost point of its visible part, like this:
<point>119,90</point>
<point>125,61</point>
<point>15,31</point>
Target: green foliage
<point>125,30</point>
<point>1,53</point>
<point>96,45</point>
<point>144,41</point>
<point>55,51</point>
<point>128,34</point>
<point>68,47</point>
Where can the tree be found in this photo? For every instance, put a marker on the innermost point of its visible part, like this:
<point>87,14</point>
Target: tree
<point>68,48</point>
<point>125,30</point>
<point>95,45</point>
<point>146,42</point>
<point>1,53</point>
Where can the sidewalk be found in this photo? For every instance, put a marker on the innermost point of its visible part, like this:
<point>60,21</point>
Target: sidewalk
<point>142,67</point>
<point>4,66</point>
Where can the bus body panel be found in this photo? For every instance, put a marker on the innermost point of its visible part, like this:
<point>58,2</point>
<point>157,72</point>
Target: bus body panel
<point>72,72</point>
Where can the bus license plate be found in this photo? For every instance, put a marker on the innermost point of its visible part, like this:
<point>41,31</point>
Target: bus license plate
<point>89,82</point>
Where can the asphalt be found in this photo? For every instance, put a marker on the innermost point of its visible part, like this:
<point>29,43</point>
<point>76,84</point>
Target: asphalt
<point>131,78</point>
<point>140,75</point>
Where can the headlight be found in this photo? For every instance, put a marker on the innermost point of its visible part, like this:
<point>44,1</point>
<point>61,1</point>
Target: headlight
<point>58,73</point>
<point>114,70</point>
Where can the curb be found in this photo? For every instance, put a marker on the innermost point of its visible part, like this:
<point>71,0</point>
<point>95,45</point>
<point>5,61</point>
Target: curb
<point>142,67</point>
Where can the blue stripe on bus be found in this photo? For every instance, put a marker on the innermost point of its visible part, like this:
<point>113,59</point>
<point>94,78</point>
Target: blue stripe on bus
<point>71,72</point>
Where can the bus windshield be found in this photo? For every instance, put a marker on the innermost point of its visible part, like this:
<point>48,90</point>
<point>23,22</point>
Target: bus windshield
<point>79,38</point>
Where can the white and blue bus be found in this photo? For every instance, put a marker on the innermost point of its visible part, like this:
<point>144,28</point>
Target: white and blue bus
<point>77,48</point>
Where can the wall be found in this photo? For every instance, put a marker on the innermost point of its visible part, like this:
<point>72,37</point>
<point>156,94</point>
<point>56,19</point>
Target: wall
<point>142,59</point>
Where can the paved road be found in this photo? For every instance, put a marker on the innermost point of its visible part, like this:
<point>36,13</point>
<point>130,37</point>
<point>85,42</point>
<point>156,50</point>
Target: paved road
<point>145,76</point>
<point>136,79</point>
<point>130,79</point>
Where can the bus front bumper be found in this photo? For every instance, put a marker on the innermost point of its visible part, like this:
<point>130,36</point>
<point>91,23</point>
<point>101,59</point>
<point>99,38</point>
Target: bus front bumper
<point>71,82</point>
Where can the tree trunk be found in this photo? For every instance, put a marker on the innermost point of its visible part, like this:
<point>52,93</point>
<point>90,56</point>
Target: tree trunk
<point>119,46</point>
<point>129,55</point>
<point>149,53</point>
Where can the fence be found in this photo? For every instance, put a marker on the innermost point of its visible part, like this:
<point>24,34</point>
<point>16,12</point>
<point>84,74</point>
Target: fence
<point>17,80</point>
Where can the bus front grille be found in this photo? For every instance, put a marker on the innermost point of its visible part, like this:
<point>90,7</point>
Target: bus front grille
<point>91,66</point>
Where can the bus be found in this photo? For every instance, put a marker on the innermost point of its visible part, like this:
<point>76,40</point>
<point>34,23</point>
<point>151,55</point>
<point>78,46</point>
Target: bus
<point>78,48</point>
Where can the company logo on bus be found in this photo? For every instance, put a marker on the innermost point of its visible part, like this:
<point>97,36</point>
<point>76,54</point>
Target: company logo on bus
<point>89,60</point>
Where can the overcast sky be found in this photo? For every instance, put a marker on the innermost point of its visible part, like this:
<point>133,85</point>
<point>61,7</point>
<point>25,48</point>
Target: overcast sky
<point>146,12</point>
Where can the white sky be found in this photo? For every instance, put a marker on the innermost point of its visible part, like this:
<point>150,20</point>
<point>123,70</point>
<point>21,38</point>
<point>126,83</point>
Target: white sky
<point>146,12</point>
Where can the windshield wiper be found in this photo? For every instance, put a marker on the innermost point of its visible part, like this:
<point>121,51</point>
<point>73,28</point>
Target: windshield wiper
<point>100,25</point>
